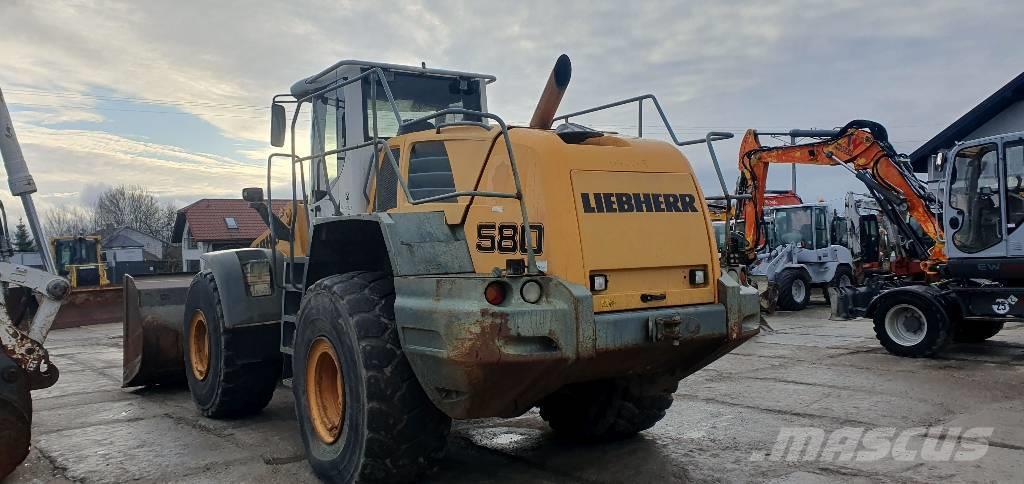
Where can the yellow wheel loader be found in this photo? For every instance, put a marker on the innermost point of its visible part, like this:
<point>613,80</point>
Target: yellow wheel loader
<point>445,265</point>
<point>31,299</point>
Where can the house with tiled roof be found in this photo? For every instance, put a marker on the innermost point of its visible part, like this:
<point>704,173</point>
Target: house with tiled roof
<point>215,224</point>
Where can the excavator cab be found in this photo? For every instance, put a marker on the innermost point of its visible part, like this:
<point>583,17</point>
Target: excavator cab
<point>984,204</point>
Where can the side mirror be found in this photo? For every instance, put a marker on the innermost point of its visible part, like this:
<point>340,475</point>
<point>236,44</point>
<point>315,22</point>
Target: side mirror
<point>277,125</point>
<point>252,194</point>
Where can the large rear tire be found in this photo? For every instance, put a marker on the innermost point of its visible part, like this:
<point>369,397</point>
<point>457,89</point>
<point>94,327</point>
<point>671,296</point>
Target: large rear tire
<point>230,373</point>
<point>908,325</point>
<point>976,331</point>
<point>604,410</point>
<point>794,289</point>
<point>362,413</point>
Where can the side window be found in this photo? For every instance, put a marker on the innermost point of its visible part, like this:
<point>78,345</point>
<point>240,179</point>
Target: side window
<point>386,191</point>
<point>820,228</point>
<point>1014,155</point>
<point>840,232</point>
<point>328,135</point>
<point>430,171</point>
<point>974,197</point>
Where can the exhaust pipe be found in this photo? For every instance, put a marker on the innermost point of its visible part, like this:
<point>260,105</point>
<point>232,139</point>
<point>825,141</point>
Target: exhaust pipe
<point>544,115</point>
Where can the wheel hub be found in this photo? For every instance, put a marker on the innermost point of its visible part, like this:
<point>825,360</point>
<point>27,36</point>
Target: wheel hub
<point>906,325</point>
<point>199,345</point>
<point>799,290</point>
<point>325,391</point>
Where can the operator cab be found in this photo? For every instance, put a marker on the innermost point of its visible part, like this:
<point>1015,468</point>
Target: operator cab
<point>805,225</point>
<point>347,118</point>
<point>984,197</point>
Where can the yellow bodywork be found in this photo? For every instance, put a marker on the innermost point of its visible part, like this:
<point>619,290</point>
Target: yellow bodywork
<point>301,231</point>
<point>641,253</point>
<point>71,269</point>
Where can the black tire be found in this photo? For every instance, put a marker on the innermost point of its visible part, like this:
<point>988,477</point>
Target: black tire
<point>604,410</point>
<point>244,364</point>
<point>976,331</point>
<point>785,281</point>
<point>389,429</point>
<point>843,277</point>
<point>936,326</point>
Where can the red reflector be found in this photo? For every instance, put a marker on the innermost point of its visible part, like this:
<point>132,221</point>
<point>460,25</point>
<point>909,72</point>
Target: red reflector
<point>494,293</point>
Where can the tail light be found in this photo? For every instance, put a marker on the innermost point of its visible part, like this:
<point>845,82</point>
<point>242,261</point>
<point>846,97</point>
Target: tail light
<point>494,293</point>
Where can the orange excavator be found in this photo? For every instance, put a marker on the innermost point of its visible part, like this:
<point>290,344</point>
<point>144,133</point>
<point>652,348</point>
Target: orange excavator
<point>863,148</point>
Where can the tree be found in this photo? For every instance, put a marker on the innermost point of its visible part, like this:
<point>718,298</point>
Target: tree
<point>68,222</point>
<point>135,207</point>
<point>22,240</point>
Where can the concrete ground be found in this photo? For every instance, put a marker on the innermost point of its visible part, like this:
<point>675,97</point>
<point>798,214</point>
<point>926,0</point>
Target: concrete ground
<point>810,372</point>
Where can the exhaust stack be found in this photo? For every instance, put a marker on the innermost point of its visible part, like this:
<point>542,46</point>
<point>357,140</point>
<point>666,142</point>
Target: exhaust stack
<point>544,115</point>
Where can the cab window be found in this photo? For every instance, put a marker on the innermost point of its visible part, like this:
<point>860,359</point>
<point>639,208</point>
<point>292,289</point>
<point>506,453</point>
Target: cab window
<point>974,195</point>
<point>416,96</point>
<point>1013,153</point>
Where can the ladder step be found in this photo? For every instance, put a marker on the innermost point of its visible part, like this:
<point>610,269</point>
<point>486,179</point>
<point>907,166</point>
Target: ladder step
<point>288,318</point>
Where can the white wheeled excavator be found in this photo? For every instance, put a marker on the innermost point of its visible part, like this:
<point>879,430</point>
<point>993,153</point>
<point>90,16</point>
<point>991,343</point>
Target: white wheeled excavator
<point>31,299</point>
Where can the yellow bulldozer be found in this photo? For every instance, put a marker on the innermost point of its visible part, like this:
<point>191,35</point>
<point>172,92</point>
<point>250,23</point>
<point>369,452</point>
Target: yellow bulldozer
<point>93,299</point>
<point>445,265</point>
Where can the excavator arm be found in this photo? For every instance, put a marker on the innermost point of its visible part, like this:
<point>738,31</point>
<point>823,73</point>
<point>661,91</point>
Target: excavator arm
<point>863,148</point>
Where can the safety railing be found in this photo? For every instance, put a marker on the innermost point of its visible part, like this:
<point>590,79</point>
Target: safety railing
<point>376,76</point>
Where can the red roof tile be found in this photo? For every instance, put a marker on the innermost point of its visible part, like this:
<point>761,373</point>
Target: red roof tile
<point>206,219</point>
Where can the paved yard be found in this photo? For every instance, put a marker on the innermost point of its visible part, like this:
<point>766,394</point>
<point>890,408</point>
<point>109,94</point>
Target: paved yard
<point>810,372</point>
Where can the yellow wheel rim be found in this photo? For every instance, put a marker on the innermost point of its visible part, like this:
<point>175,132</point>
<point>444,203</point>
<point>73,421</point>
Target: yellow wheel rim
<point>325,391</point>
<point>199,345</point>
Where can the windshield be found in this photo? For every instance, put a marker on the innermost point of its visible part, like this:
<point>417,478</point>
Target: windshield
<point>417,96</point>
<point>792,226</point>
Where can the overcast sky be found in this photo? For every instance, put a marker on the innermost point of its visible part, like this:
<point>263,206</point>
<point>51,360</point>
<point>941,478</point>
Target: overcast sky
<point>174,95</point>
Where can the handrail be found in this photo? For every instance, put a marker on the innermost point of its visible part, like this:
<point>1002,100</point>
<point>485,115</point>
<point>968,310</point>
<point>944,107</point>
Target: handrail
<point>531,262</point>
<point>376,75</point>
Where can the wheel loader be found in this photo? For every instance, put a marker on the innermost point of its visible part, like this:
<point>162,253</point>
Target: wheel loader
<point>444,265</point>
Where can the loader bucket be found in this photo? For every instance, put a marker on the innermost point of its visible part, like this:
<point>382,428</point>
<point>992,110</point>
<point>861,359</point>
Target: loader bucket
<point>850,302</point>
<point>90,305</point>
<point>154,307</point>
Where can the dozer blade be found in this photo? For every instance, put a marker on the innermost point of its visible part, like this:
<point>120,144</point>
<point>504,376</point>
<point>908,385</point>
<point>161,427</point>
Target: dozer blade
<point>90,305</point>
<point>15,415</point>
<point>154,308</point>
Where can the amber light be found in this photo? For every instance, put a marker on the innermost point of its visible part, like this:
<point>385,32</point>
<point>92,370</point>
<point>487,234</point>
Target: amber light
<point>494,293</point>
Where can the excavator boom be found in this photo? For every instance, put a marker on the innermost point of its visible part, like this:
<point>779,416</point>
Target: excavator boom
<point>863,148</point>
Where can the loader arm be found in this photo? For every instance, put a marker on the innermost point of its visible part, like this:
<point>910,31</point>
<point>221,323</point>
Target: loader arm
<point>863,148</point>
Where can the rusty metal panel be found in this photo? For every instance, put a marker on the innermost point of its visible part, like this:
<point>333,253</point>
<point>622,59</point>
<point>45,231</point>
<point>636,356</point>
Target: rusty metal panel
<point>154,308</point>
<point>422,243</point>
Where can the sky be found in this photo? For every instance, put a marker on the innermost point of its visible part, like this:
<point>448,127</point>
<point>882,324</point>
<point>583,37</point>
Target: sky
<point>174,95</point>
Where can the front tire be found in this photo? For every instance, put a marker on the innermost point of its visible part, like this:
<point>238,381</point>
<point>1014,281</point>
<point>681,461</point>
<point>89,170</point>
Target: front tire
<point>604,410</point>
<point>794,289</point>
<point>843,277</point>
<point>910,326</point>
<point>976,331</point>
<point>230,373</point>
<point>362,413</point>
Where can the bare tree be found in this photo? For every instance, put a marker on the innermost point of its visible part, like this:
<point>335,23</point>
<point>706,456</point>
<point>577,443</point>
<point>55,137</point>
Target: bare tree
<point>135,207</point>
<point>68,221</point>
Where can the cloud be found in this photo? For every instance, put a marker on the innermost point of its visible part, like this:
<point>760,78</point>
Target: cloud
<point>715,65</point>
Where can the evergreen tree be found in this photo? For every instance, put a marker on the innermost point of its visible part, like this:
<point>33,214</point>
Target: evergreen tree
<point>22,240</point>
